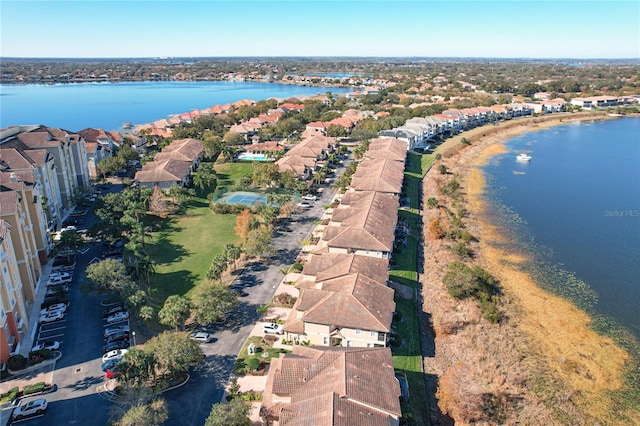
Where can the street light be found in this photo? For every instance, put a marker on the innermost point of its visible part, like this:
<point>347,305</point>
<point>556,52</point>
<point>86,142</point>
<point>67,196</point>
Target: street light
<point>133,333</point>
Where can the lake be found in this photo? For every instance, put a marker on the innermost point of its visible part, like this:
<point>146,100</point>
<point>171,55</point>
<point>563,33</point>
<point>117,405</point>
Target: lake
<point>576,210</point>
<point>108,105</point>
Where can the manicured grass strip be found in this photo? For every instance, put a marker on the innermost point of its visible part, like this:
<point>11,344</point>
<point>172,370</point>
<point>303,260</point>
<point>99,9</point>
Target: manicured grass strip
<point>408,360</point>
<point>262,348</point>
<point>184,247</point>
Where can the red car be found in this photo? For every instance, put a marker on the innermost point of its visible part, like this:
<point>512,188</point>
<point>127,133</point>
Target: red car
<point>112,374</point>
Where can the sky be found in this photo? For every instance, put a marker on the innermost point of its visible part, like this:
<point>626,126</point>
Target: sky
<point>204,28</point>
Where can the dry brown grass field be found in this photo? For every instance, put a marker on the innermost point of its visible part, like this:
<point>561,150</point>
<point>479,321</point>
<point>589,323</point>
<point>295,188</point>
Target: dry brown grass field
<point>542,363</point>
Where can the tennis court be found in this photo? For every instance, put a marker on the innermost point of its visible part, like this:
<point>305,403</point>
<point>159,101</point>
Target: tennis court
<point>244,198</point>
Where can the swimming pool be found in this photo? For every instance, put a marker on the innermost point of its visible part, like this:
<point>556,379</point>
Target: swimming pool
<point>253,157</point>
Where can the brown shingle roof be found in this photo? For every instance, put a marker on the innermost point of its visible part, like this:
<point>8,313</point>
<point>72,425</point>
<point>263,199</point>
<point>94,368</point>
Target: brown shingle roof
<point>190,148</point>
<point>332,265</point>
<point>163,171</point>
<point>361,376</point>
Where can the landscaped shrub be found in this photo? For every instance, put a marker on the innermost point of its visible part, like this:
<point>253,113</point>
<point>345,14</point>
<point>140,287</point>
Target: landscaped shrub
<point>16,362</point>
<point>252,364</point>
<point>35,388</point>
<point>251,396</point>
<point>36,357</point>
<point>296,267</point>
<point>10,395</point>
<point>286,300</point>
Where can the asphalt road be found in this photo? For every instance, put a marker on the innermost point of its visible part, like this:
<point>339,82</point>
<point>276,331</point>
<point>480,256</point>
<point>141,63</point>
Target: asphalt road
<point>78,399</point>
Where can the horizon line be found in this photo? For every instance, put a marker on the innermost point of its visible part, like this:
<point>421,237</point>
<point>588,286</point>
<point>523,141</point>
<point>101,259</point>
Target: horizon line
<point>315,57</point>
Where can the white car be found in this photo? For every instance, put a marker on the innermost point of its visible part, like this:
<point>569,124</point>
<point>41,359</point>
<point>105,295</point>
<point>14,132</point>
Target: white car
<point>62,307</point>
<point>200,336</point>
<point>115,354</point>
<point>60,275</point>
<point>304,205</point>
<point>52,345</point>
<point>118,316</point>
<point>310,197</point>
<point>56,280</point>
<point>51,316</point>
<point>272,328</point>
<point>31,408</point>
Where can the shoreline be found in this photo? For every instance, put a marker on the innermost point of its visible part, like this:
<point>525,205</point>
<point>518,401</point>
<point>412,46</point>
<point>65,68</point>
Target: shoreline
<point>545,341</point>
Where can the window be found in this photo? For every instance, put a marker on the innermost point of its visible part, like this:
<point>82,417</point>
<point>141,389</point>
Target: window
<point>325,341</point>
<point>348,343</point>
<point>373,333</point>
<point>358,331</point>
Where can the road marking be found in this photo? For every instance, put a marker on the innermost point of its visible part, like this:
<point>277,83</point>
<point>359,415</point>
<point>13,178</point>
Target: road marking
<point>27,419</point>
<point>95,260</point>
<point>83,251</point>
<point>53,336</point>
<point>42,329</point>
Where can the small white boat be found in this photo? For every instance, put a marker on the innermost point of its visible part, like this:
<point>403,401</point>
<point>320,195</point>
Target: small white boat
<point>523,158</point>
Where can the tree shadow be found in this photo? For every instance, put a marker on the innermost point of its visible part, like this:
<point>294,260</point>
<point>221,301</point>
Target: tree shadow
<point>85,383</point>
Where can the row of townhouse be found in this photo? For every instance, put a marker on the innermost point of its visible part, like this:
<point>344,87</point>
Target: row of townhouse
<point>345,310</point>
<point>41,171</point>
<point>172,166</point>
<point>350,304</point>
<point>307,156</point>
<point>419,132</point>
<point>604,101</point>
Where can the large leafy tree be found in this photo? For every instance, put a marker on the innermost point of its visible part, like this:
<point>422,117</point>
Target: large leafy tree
<point>175,311</point>
<point>235,413</point>
<point>174,352</point>
<point>110,275</point>
<point>137,367</point>
<point>258,242</point>
<point>154,413</point>
<point>213,302</point>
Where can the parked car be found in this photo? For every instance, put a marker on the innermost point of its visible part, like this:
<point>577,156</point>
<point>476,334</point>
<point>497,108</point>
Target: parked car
<point>71,222</point>
<point>64,263</point>
<point>51,317</point>
<point>52,345</point>
<point>118,316</point>
<point>118,344</point>
<point>310,197</point>
<point>114,355</point>
<point>56,290</point>
<point>62,307</point>
<point>113,310</point>
<point>110,374</point>
<point>59,274</point>
<point>31,408</point>
<point>200,336</point>
<point>304,205</point>
<point>115,329</point>
<point>272,328</point>
<point>108,365</point>
<point>58,298</point>
<point>59,279</point>
<point>123,335</point>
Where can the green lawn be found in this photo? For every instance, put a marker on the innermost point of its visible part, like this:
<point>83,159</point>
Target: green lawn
<point>183,247</point>
<point>408,358</point>
<point>229,173</point>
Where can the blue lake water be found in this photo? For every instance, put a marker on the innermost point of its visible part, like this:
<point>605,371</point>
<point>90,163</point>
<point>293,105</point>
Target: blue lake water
<point>577,203</point>
<point>107,105</point>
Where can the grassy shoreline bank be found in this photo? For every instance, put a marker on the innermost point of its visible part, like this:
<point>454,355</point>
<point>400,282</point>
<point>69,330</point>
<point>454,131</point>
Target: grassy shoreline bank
<point>570,373</point>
